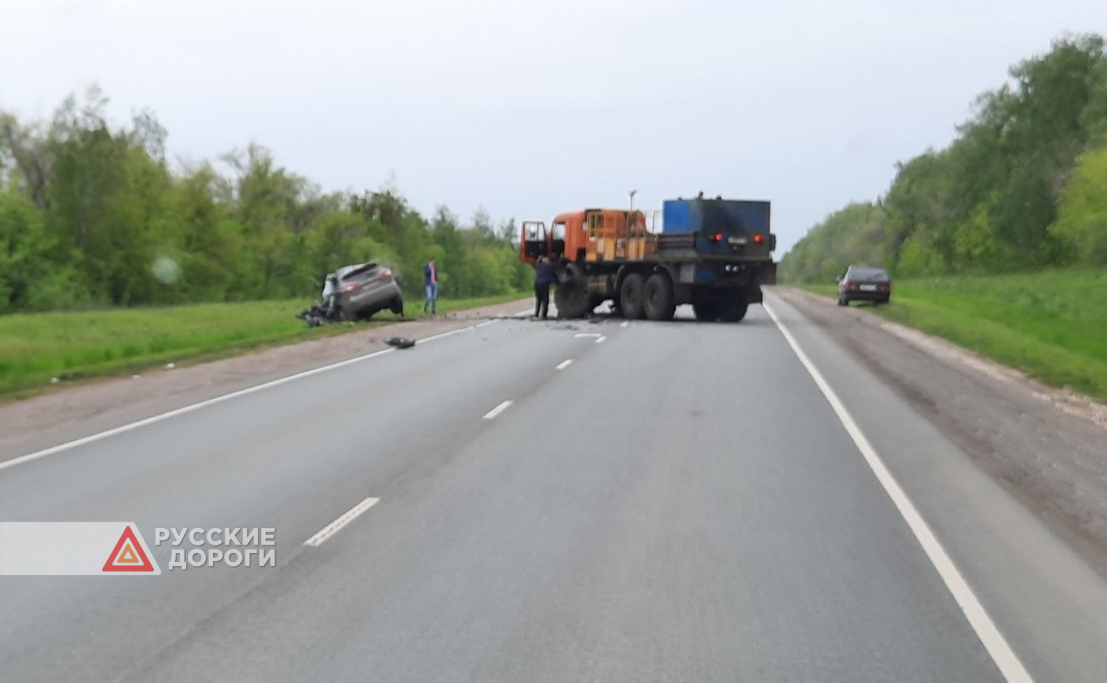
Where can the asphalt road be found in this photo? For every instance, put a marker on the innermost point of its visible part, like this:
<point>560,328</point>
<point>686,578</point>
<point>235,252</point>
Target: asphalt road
<point>679,503</point>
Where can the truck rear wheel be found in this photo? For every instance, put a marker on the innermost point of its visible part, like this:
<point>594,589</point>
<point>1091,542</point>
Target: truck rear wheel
<point>631,297</point>
<point>733,309</point>
<point>572,299</point>
<point>707,311</point>
<point>659,301</point>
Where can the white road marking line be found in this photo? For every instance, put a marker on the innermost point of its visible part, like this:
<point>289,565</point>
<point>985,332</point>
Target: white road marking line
<point>624,323</point>
<point>347,517</point>
<point>212,401</point>
<point>497,410</point>
<point>587,335</point>
<point>601,340</point>
<point>521,313</point>
<point>1005,658</point>
<point>564,364</point>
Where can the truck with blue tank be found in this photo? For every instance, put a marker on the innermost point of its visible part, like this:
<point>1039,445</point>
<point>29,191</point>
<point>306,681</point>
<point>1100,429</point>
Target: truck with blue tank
<point>714,254</point>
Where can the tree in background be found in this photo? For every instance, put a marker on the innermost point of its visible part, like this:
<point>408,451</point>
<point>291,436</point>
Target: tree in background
<point>1016,190</point>
<point>94,215</point>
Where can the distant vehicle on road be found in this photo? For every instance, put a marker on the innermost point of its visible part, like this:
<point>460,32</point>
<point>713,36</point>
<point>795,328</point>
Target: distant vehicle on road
<point>864,283</point>
<point>712,253</point>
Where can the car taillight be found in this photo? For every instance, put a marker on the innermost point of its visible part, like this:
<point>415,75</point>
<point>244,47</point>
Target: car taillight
<point>759,238</point>
<point>851,285</point>
<point>717,237</point>
<point>349,288</point>
<point>386,273</point>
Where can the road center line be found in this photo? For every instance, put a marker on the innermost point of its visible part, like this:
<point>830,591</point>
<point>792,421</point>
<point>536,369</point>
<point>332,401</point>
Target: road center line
<point>624,324</point>
<point>212,401</point>
<point>1005,658</point>
<point>497,410</point>
<point>347,517</point>
<point>601,340</point>
<point>564,364</point>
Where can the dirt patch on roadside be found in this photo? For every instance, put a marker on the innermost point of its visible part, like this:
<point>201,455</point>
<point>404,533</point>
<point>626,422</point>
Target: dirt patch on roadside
<point>74,412</point>
<point>1048,447</point>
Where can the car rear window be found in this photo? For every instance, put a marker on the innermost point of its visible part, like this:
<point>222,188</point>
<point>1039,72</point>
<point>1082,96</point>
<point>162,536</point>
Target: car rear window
<point>877,274</point>
<point>355,271</point>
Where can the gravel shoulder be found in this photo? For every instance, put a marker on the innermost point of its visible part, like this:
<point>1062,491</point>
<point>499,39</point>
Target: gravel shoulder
<point>74,412</point>
<point>1047,447</point>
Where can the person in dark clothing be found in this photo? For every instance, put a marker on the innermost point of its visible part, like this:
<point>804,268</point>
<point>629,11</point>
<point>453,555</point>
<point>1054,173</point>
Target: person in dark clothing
<point>543,278</point>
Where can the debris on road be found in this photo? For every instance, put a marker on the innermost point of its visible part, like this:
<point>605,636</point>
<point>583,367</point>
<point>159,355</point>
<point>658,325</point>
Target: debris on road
<point>401,342</point>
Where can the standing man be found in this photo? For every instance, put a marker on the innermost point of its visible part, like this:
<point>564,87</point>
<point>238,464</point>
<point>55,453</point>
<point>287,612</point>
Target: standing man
<point>543,278</point>
<point>430,281</point>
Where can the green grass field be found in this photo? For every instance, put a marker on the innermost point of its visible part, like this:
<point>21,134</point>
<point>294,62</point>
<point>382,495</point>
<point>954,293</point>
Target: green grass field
<point>1051,325</point>
<point>77,345</point>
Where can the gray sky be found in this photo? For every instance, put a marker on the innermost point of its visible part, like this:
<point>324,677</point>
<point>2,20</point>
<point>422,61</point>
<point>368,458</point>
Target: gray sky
<point>534,107</point>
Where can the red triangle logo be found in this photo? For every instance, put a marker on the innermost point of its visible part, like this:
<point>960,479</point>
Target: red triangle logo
<point>128,555</point>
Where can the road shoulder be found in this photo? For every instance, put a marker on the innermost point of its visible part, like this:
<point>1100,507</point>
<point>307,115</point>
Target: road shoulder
<point>1042,590</point>
<point>73,413</point>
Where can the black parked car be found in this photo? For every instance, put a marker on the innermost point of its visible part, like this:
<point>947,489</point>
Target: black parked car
<point>864,283</point>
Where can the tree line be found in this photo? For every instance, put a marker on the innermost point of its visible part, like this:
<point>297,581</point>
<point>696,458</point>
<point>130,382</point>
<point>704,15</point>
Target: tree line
<point>1023,186</point>
<point>93,214</point>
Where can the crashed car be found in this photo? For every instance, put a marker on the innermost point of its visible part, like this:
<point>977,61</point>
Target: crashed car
<point>359,291</point>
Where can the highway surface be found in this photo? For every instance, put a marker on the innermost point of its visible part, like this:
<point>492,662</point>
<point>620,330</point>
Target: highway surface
<point>559,502</point>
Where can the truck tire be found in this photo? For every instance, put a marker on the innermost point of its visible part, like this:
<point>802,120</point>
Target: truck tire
<point>707,311</point>
<point>733,309</point>
<point>631,297</point>
<point>658,298</point>
<point>572,299</point>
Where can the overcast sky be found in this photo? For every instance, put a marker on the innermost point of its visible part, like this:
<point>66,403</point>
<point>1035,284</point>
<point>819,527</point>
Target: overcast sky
<point>534,107</point>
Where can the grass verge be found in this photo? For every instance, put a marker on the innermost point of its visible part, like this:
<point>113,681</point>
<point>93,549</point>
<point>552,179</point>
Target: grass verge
<point>1052,325</point>
<point>36,347</point>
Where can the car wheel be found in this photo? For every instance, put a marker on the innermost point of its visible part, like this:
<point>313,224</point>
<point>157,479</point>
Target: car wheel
<point>397,306</point>
<point>842,301</point>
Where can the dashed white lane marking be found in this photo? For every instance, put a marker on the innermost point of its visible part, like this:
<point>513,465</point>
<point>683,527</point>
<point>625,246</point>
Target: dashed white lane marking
<point>218,399</point>
<point>564,364</point>
<point>624,323</point>
<point>497,410</point>
<point>601,340</point>
<point>347,517</point>
<point>1005,658</point>
<point>587,335</point>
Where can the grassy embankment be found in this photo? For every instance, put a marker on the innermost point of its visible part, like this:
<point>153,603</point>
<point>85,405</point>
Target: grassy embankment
<point>1052,325</point>
<point>78,345</point>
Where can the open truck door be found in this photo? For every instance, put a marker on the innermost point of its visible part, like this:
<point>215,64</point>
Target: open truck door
<point>534,241</point>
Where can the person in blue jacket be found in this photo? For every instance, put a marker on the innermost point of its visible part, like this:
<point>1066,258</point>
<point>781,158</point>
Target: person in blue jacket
<point>543,278</point>
<point>430,281</point>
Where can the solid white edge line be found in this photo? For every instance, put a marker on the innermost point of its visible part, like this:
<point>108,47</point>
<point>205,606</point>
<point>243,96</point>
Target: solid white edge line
<point>601,340</point>
<point>497,410</point>
<point>212,401</point>
<point>997,646</point>
<point>564,364</point>
<point>346,517</point>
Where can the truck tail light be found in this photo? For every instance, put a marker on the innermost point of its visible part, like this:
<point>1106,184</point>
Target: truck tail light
<point>759,238</point>
<point>717,237</point>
